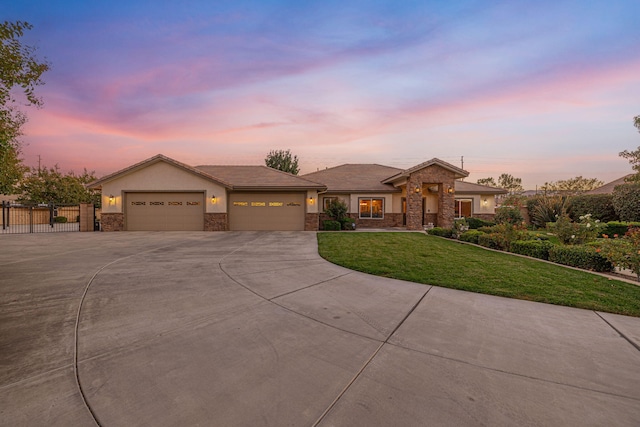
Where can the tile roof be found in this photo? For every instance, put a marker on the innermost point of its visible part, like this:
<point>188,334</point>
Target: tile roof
<point>258,178</point>
<point>355,178</point>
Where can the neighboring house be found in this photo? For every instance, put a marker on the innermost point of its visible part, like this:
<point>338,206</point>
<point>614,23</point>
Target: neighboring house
<point>163,194</point>
<point>608,188</point>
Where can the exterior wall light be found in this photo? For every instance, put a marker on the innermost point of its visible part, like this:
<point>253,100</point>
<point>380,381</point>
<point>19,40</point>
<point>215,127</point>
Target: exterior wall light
<point>450,190</point>
<point>417,189</point>
<point>111,199</point>
<point>485,202</point>
<point>213,198</point>
<point>310,200</point>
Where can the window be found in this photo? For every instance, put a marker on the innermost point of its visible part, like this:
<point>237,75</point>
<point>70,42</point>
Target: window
<point>463,208</point>
<point>371,208</point>
<point>327,200</point>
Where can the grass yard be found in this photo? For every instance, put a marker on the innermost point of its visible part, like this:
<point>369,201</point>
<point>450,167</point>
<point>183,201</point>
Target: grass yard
<point>431,260</point>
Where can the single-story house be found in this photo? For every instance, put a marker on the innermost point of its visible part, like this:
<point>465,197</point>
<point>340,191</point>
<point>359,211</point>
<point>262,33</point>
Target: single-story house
<point>161,193</point>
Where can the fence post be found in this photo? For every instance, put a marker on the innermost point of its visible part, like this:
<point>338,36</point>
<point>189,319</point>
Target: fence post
<point>51,214</point>
<point>4,222</point>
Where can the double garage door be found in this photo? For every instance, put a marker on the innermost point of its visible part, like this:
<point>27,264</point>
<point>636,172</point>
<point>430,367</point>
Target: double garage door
<point>266,211</point>
<point>161,211</point>
<point>184,211</point>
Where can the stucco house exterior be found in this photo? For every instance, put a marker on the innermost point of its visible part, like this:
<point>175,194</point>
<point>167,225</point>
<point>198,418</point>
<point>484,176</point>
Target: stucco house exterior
<point>161,193</point>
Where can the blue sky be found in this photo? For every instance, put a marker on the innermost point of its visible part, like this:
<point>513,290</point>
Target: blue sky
<point>542,90</point>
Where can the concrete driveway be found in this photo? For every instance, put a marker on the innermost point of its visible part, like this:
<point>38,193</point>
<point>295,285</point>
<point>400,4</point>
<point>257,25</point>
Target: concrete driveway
<point>255,329</point>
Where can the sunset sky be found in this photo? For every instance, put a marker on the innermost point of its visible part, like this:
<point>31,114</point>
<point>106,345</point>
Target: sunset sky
<point>543,90</point>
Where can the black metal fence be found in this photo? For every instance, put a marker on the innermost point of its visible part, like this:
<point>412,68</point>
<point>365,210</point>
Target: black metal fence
<point>41,218</point>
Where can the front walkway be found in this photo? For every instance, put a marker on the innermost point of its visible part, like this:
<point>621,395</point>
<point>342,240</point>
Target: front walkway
<point>255,329</point>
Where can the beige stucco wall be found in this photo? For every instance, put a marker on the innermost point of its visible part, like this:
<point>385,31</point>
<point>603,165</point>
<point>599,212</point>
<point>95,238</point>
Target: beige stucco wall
<point>314,204</point>
<point>163,177</point>
<point>479,205</point>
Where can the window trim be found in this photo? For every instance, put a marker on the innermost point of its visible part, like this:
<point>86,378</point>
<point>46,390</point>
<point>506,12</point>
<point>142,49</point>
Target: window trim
<point>371,199</point>
<point>326,201</point>
<point>458,206</point>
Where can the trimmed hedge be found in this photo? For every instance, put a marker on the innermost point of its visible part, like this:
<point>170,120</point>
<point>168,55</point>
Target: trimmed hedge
<point>626,202</point>
<point>533,248</point>
<point>475,223</point>
<point>330,225</point>
<point>471,236</point>
<point>619,228</point>
<point>442,232</point>
<point>493,241</point>
<point>584,257</point>
<point>600,206</point>
<point>60,219</point>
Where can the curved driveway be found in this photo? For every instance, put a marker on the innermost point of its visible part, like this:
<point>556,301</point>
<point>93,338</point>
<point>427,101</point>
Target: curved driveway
<point>255,329</point>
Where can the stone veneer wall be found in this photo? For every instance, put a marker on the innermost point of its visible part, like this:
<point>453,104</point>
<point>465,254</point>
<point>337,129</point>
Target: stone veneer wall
<point>430,175</point>
<point>112,221</point>
<point>215,222</point>
<point>311,221</point>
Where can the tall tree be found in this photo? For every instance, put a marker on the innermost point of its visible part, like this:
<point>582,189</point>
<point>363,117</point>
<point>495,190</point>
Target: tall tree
<point>282,160</point>
<point>572,186</point>
<point>510,183</point>
<point>634,159</point>
<point>487,181</point>
<point>19,68</point>
<point>636,122</point>
<point>49,185</point>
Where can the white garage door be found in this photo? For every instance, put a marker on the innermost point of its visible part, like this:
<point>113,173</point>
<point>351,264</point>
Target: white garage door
<point>164,211</point>
<point>266,211</point>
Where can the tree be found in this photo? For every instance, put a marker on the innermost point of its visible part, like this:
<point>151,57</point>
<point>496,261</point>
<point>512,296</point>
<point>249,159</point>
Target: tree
<point>283,161</point>
<point>572,186</point>
<point>636,122</point>
<point>18,68</point>
<point>511,184</point>
<point>49,185</point>
<point>634,158</point>
<point>487,181</point>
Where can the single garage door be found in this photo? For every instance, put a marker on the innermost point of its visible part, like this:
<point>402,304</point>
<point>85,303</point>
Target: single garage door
<point>164,211</point>
<point>266,211</point>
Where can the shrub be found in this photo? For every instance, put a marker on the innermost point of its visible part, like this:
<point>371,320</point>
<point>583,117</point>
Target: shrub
<point>533,248</point>
<point>600,206</point>
<point>439,231</point>
<point>626,202</point>
<point>337,209</point>
<point>471,236</point>
<point>331,225</point>
<point>508,214</point>
<point>493,241</point>
<point>616,227</point>
<point>60,219</point>
<point>585,257</point>
<point>624,252</point>
<point>348,223</point>
<point>459,227</point>
<point>475,223</point>
<point>543,210</point>
<point>577,233</point>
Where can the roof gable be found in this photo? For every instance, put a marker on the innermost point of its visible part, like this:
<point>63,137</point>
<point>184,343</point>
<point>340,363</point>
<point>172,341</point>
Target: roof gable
<point>151,161</point>
<point>458,173</point>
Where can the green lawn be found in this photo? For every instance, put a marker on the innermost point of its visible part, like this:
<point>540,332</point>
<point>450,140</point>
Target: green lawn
<point>420,258</point>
